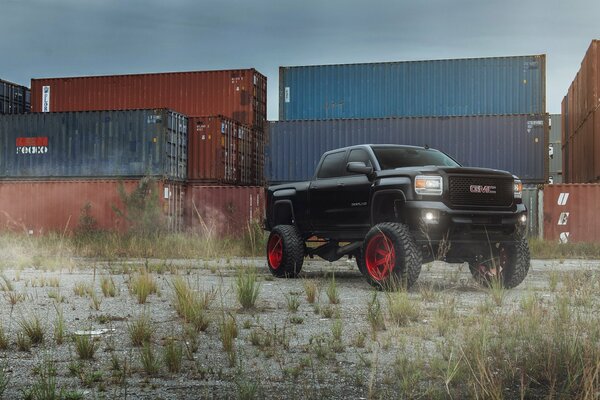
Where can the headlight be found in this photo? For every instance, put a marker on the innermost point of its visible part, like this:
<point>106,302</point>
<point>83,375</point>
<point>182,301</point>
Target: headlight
<point>429,185</point>
<point>518,189</point>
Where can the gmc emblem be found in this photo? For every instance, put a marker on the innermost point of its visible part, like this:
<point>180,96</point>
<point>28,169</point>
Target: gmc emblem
<point>482,189</point>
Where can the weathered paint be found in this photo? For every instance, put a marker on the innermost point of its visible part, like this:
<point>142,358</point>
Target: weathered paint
<point>516,143</point>
<point>14,99</point>
<point>571,213</point>
<point>531,201</point>
<point>459,87</point>
<point>223,210</point>
<point>237,94</point>
<point>224,151</point>
<point>555,153</point>
<point>94,144</point>
<point>38,207</point>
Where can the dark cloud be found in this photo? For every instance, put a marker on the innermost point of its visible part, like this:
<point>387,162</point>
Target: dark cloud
<point>86,37</point>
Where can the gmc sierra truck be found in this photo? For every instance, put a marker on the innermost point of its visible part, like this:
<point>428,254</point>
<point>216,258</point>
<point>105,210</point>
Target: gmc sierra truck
<point>394,208</point>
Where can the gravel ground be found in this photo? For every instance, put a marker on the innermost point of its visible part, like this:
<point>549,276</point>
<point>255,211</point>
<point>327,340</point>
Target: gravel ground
<point>302,362</point>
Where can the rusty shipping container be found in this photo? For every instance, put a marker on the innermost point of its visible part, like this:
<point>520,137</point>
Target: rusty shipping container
<point>581,121</point>
<point>117,144</point>
<point>238,94</point>
<point>223,210</point>
<point>14,99</point>
<point>571,213</point>
<point>38,207</point>
<point>222,150</point>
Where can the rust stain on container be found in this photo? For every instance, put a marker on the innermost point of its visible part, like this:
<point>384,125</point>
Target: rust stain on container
<point>222,150</point>
<point>237,94</point>
<point>38,207</point>
<point>581,121</point>
<point>571,213</point>
<point>223,210</point>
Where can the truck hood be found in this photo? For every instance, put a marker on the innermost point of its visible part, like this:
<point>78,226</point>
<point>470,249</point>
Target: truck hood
<point>438,170</point>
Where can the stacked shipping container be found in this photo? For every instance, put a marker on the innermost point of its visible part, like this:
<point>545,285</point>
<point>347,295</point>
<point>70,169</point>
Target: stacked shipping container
<point>581,121</point>
<point>70,138</point>
<point>555,174</point>
<point>14,99</point>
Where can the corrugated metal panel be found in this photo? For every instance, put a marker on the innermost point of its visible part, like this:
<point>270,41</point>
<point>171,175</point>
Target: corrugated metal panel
<point>94,144</point>
<point>515,143</point>
<point>531,201</point>
<point>555,168</point>
<point>571,213</point>
<point>223,210</point>
<point>237,94</point>
<point>14,99</point>
<point>38,207</point>
<point>224,151</point>
<point>477,86</point>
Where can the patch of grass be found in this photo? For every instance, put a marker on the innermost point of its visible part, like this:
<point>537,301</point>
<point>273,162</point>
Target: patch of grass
<point>82,288</point>
<point>332,291</point>
<point>14,297</point>
<point>45,387</point>
<point>4,379</point>
<point>172,355</point>
<point>401,310</point>
<point>6,285</point>
<point>428,292</point>
<point>33,328</point>
<point>85,346</point>
<point>96,302</point>
<point>23,342</point>
<point>375,314</point>
<point>546,249</point>
<point>247,287</point>
<point>496,291</point>
<point>228,332</point>
<point>107,284</point>
<point>311,289</point>
<point>56,296</point>
<point>59,326</point>
<point>293,303</point>
<point>445,317</point>
<point>190,304</point>
<point>3,338</point>
<point>140,330</point>
<point>150,363</point>
<point>143,285</point>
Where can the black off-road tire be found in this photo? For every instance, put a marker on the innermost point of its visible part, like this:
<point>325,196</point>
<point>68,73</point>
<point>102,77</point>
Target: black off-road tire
<point>513,258</point>
<point>407,266</point>
<point>285,251</point>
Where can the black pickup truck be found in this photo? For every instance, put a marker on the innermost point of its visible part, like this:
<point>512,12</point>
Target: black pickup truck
<point>395,207</point>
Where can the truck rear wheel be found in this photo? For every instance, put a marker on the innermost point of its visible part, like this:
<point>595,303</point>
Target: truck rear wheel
<point>389,258</point>
<point>285,251</point>
<point>507,263</point>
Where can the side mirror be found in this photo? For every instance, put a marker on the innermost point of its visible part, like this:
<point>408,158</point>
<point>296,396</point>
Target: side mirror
<point>359,167</point>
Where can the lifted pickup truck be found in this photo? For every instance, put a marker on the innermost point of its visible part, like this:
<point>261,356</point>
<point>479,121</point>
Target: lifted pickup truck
<point>395,207</point>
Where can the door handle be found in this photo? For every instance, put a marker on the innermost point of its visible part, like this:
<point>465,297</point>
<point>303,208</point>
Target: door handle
<point>340,184</point>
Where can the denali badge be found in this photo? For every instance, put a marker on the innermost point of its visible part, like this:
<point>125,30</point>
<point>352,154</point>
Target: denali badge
<point>482,189</point>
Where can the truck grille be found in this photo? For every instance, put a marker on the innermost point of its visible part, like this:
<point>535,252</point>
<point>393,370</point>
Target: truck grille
<point>478,191</point>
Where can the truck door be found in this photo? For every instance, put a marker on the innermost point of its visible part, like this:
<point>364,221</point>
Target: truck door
<point>324,192</point>
<point>355,194</point>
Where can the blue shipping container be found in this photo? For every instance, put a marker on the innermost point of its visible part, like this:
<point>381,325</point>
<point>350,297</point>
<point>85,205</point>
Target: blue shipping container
<point>515,143</point>
<point>460,87</point>
<point>94,144</point>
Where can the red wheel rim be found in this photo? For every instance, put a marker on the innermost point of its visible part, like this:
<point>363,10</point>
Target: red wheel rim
<point>492,268</point>
<point>275,251</point>
<point>380,257</point>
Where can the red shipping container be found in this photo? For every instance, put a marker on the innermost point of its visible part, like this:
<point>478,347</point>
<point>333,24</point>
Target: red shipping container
<point>571,213</point>
<point>223,210</point>
<point>237,94</point>
<point>37,207</point>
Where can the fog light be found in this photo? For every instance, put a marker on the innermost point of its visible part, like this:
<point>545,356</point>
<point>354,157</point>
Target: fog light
<point>430,217</point>
<point>523,218</point>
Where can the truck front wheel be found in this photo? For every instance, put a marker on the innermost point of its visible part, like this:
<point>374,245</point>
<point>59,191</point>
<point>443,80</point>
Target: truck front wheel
<point>506,263</point>
<point>389,258</point>
<point>285,251</point>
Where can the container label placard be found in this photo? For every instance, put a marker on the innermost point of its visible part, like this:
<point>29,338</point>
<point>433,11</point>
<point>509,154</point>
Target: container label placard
<point>45,98</point>
<point>32,145</point>
<point>287,94</point>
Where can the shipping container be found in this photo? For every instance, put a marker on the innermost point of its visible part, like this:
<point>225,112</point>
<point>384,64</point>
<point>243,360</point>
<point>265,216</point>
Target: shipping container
<point>131,143</point>
<point>38,207</point>
<point>531,199</point>
<point>222,150</point>
<point>555,167</point>
<point>223,210</point>
<point>14,99</point>
<point>459,87</point>
<point>517,143</point>
<point>571,213</point>
<point>237,94</point>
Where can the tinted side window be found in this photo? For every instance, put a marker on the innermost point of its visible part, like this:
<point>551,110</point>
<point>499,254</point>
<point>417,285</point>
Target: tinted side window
<point>359,155</point>
<point>333,165</point>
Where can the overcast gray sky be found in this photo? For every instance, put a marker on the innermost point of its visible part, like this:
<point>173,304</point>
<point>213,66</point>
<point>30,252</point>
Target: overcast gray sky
<point>50,38</point>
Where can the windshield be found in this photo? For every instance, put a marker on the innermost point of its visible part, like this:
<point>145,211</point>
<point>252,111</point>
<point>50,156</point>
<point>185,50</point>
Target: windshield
<point>398,157</point>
